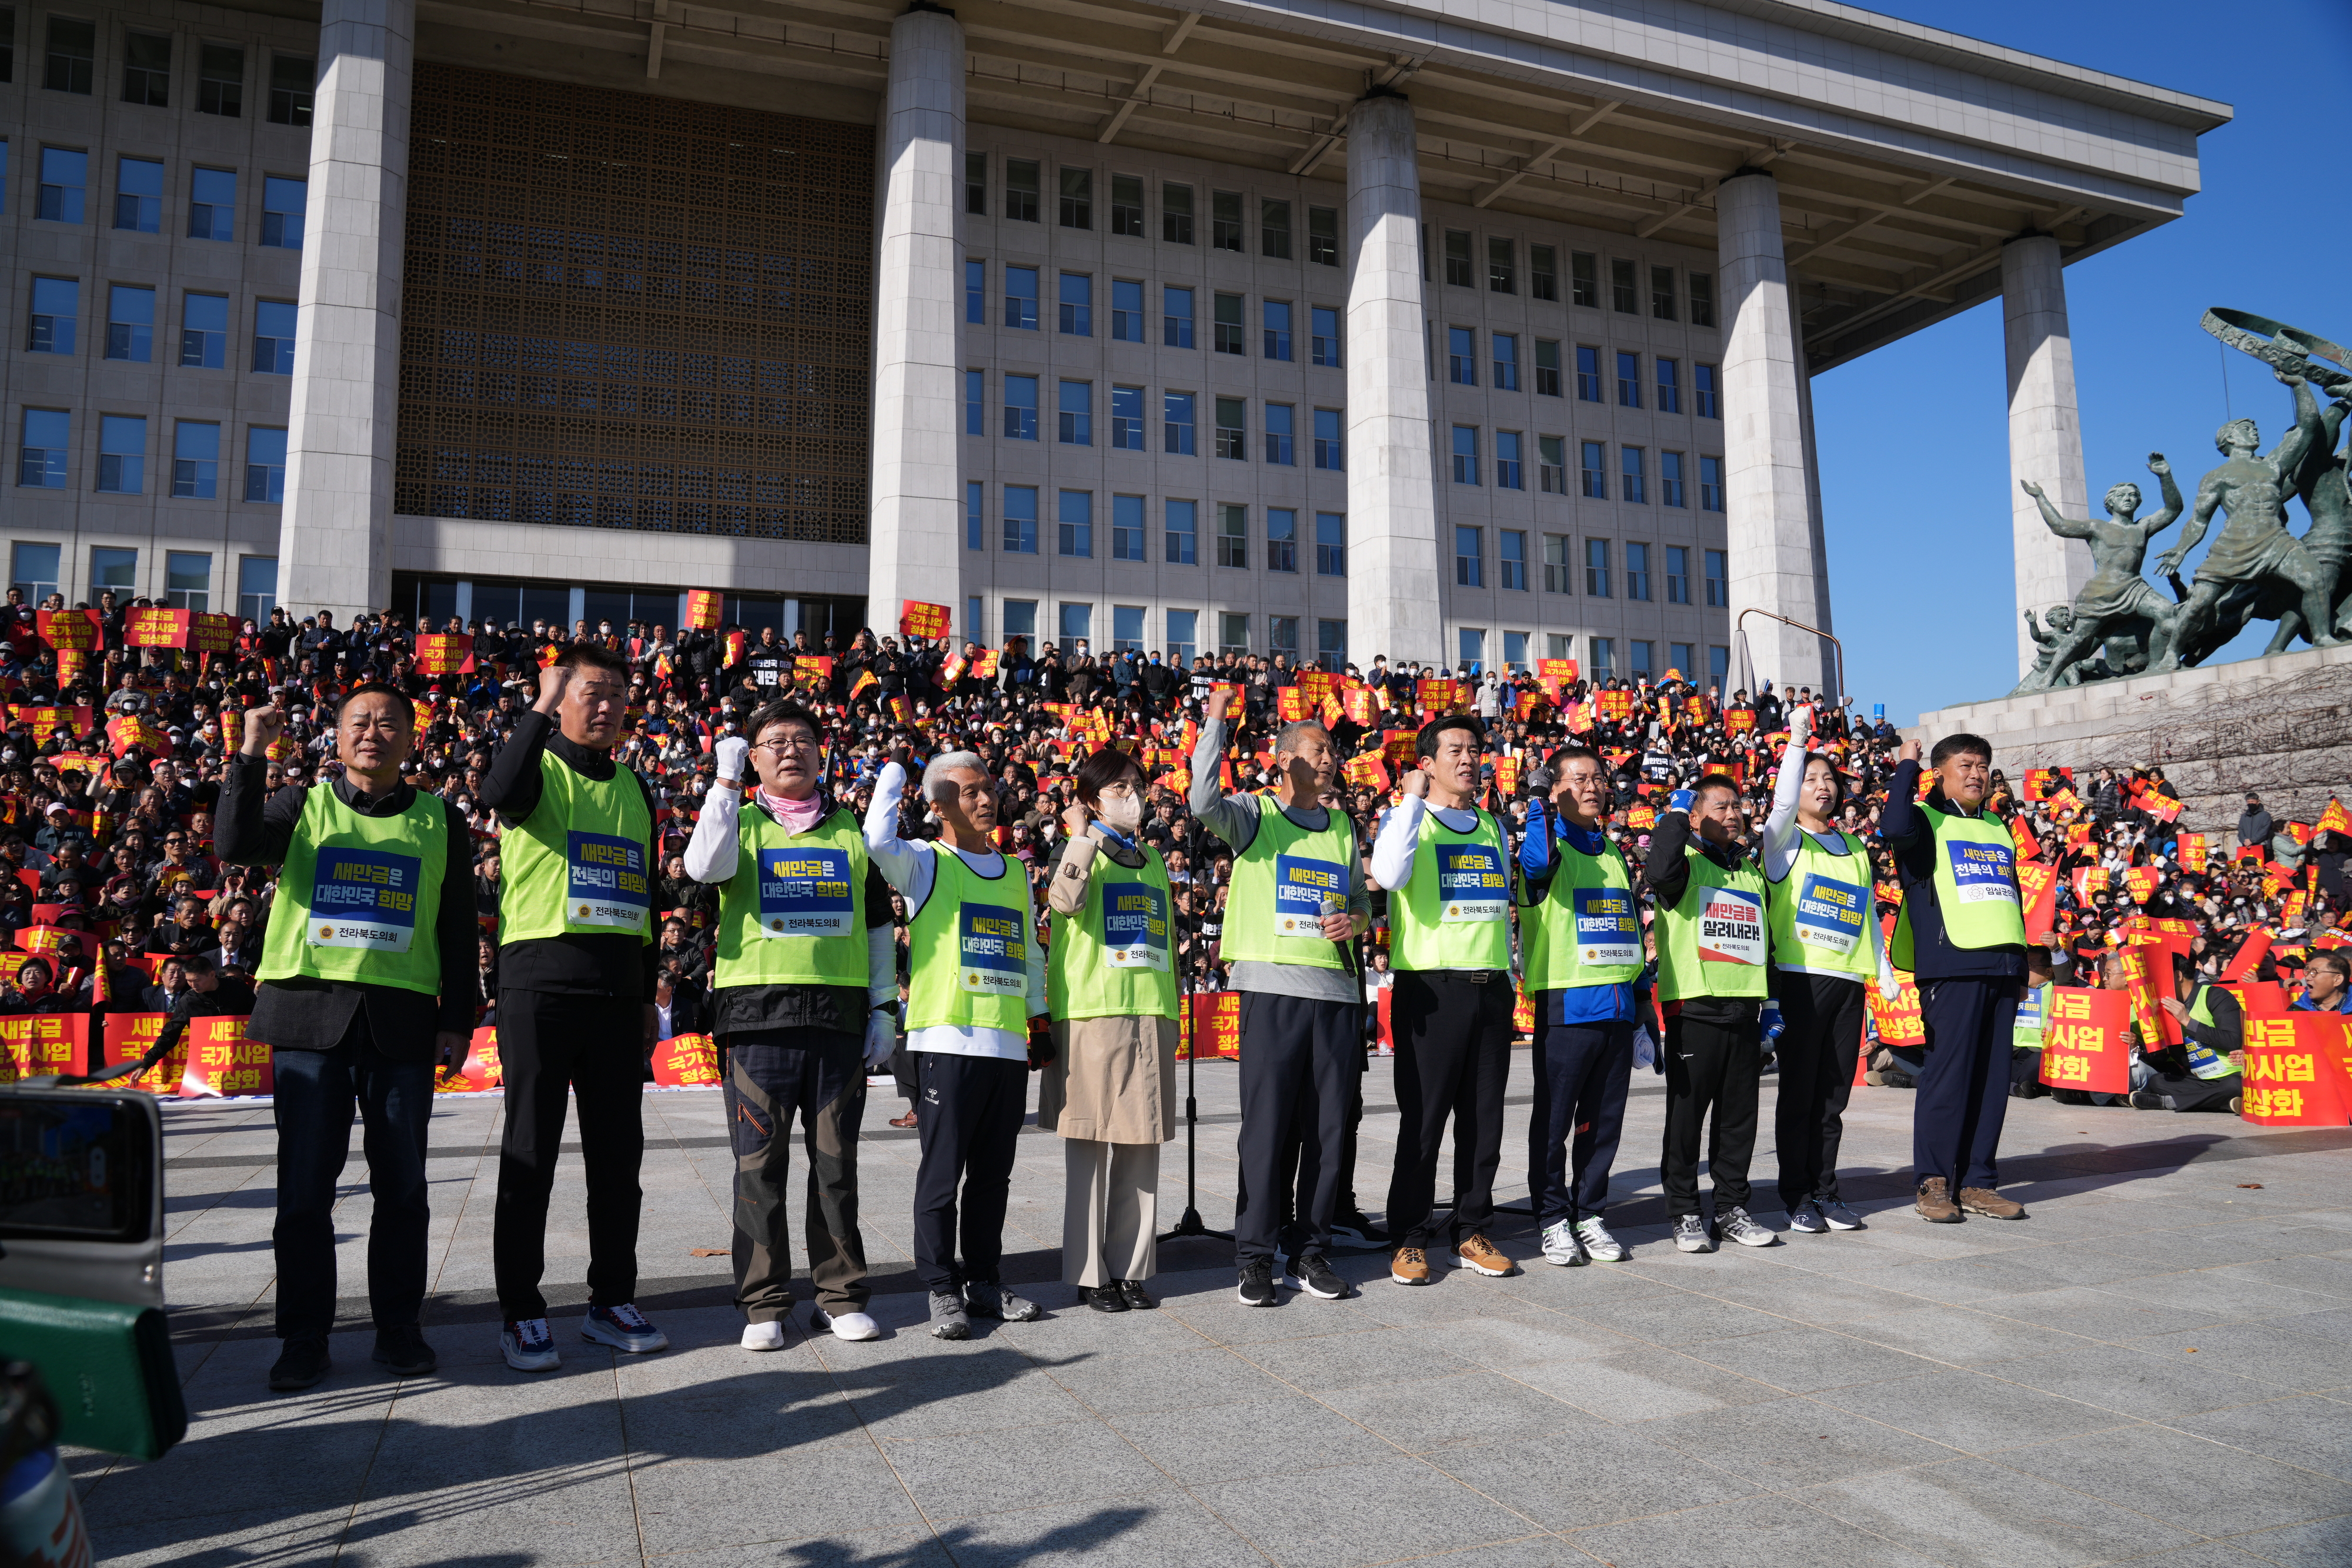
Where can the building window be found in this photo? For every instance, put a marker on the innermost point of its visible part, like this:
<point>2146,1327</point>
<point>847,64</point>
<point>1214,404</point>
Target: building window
<point>1629,467</point>
<point>1466,455</point>
<point>1176,317</point>
<point>1462,356</point>
<point>1074,294</point>
<point>1281,427</point>
<point>1514,650</point>
<point>220,79</point>
<point>1233,633</point>
<point>1511,553</point>
<point>1638,665</point>
<point>146,68</point>
<point>1507,361</point>
<point>1588,373</point>
<point>1077,198</point>
<point>1282,637</point>
<point>1703,398</point>
<point>1274,228</point>
<point>282,202</point>
<point>1225,220</point>
<point>292,79</point>
<point>1604,659</point>
<point>1502,268</point>
<point>1558,574</point>
<point>131,324</point>
<point>1543,273</point>
<point>1662,293</point>
<point>43,439</point>
<point>1127,627</point>
<point>974,617</point>
<point>1469,557</point>
<point>114,569</point>
<point>1596,568</point>
<point>1470,642</point>
<point>1670,478</point>
<point>1021,297</point>
<point>975,516</point>
<point>56,305</point>
<point>1629,380</point>
<point>1325,321</point>
<point>1020,619</point>
<point>33,572</point>
<point>1330,451</point>
<point>1323,236</point>
<point>1127,206</point>
<point>1176,214</point>
<point>1233,535</point>
<point>1020,523</point>
<point>1595,470</point>
<point>1551,467</point>
<point>976,292</point>
<point>1021,408</point>
<point>1710,484</point>
<point>1021,190</point>
<point>1507,461</point>
<point>1277,314</point>
<point>1670,389</point>
<point>1718,581</point>
<point>212,203</point>
<point>65,177</point>
<point>975,393</point>
<point>1331,644</point>
<point>1547,368</point>
<point>1637,572</point>
<point>1184,519</point>
<point>1233,429</point>
<point>1127,418</point>
<point>1077,624</point>
<point>1126,529</point>
<point>1126,311</point>
<point>121,455</point>
<point>1177,414</point>
<point>1459,272</point>
<point>1585,278</point>
<point>72,54</point>
<point>139,195</point>
<point>975,183</point>
<point>1678,583</point>
<point>1281,539</point>
<point>1682,660</point>
<point>265,465</point>
<point>1231,333</point>
<point>188,581</point>
<point>1075,406</point>
<point>1331,544</point>
<point>1701,300</point>
<point>1624,293</point>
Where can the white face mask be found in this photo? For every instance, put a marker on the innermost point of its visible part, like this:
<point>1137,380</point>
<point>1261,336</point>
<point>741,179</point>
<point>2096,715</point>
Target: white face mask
<point>1123,813</point>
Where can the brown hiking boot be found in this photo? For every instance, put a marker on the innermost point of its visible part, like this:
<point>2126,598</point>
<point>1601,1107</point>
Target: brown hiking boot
<point>1936,1204</point>
<point>1475,1251</point>
<point>1991,1204</point>
<point>1410,1266</point>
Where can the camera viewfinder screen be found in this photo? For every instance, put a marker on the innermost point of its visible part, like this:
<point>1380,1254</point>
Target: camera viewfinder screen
<point>69,1170</point>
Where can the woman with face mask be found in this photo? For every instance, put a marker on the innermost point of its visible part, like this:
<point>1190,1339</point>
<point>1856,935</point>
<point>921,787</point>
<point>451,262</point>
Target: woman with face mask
<point>1110,986</point>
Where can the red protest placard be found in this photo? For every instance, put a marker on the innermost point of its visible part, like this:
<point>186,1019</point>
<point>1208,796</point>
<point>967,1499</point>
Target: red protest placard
<point>702,610</point>
<point>149,626</point>
<point>2192,852</point>
<point>2039,885</point>
<point>1367,771</point>
<point>917,619</point>
<point>813,671</point>
<point>2083,1040</point>
<point>2148,977</point>
<point>129,1037</point>
<point>212,633</point>
<point>1615,705</point>
<point>222,1061</point>
<point>1397,747</point>
<point>1436,697</point>
<point>686,1060</point>
<point>1289,704</point>
<point>2298,1071</point>
<point>444,653</point>
<point>77,631</point>
<point>1553,676</point>
<point>1738,720</point>
<point>2140,881</point>
<point>480,1071</point>
<point>1215,1020</point>
<point>1897,1021</point>
<point>40,1045</point>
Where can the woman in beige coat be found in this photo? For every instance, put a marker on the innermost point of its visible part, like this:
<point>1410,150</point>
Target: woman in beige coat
<point>1110,986</point>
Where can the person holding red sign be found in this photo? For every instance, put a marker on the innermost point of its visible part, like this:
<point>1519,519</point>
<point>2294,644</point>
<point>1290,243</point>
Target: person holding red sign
<point>366,983</point>
<point>2198,1071</point>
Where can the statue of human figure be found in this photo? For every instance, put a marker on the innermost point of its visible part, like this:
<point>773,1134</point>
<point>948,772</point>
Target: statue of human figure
<point>2118,603</point>
<point>2321,482</point>
<point>2047,672</point>
<point>2255,548</point>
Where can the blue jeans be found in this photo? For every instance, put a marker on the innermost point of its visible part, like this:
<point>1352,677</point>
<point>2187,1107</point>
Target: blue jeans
<point>316,1092</point>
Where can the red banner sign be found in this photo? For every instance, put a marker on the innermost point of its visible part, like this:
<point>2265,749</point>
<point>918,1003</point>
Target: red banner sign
<point>2298,1071</point>
<point>39,1045</point>
<point>917,619</point>
<point>222,1061</point>
<point>686,1060</point>
<point>2084,1041</point>
<point>1215,1020</point>
<point>702,610</point>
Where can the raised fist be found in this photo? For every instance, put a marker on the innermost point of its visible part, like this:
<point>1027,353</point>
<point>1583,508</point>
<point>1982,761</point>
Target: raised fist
<point>262,726</point>
<point>1416,784</point>
<point>552,682</point>
<point>730,753</point>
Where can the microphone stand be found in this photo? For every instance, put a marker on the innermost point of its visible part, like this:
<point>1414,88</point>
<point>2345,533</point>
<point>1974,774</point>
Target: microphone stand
<point>1191,1223</point>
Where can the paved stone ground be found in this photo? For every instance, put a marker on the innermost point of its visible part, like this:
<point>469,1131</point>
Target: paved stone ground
<point>2155,1368</point>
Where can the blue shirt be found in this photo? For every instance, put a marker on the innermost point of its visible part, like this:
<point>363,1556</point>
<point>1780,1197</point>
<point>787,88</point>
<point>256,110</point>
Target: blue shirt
<point>1575,1003</point>
<point>2302,1005</point>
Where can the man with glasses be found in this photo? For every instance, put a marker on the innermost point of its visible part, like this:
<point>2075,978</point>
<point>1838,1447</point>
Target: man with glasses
<point>2327,983</point>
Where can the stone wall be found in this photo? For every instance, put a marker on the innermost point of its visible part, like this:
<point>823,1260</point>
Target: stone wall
<point>2280,727</point>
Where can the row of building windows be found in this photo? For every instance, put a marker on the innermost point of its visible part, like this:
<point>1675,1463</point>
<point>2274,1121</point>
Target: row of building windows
<point>45,453</point>
<point>1592,469</point>
<point>69,65</point>
<point>1663,293</point>
<point>53,326</point>
<point>34,571</point>
<point>62,197</point>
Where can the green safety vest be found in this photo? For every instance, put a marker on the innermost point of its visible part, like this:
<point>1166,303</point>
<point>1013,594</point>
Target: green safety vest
<point>1712,941</point>
<point>358,896</point>
<point>968,947</point>
<point>1976,885</point>
<point>1820,911</point>
<point>2204,1062</point>
<point>576,866</point>
<point>1586,930</point>
<point>1455,911</point>
<point>1116,957</point>
<point>1282,884</point>
<point>794,912</point>
<point>2027,1033</point>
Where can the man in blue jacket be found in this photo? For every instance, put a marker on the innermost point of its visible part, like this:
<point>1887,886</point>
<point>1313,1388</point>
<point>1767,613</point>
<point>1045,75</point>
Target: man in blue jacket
<point>2327,983</point>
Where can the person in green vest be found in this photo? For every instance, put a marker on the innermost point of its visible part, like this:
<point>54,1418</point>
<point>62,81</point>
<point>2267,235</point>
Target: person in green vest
<point>976,978</point>
<point>1110,984</point>
<point>1297,903</point>
<point>576,1017</point>
<point>1446,866</point>
<point>1713,943</point>
<point>1961,932</point>
<point>804,1003</point>
<point>2201,1071</point>
<point>2025,1036</point>
<point>366,983</point>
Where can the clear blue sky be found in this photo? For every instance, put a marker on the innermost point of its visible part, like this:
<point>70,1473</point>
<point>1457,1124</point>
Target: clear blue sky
<point>1913,438</point>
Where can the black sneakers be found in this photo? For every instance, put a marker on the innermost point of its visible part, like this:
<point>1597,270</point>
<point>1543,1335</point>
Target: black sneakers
<point>404,1351</point>
<point>1312,1274</point>
<point>301,1365</point>
<point>1258,1283</point>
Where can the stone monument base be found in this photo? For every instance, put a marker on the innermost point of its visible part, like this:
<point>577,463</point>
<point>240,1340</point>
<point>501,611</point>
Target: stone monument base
<point>2280,727</point>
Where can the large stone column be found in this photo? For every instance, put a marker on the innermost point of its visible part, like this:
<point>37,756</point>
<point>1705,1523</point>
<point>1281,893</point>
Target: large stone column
<point>914,548</point>
<point>1392,582</point>
<point>334,547</point>
<point>1776,559</point>
<point>2045,431</point>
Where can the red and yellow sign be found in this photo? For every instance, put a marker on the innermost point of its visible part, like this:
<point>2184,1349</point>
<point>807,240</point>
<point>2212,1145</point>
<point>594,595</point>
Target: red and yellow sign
<point>1899,1023</point>
<point>2083,1040</point>
<point>39,1045</point>
<point>481,1069</point>
<point>78,630</point>
<point>1215,1020</point>
<point>222,1061</point>
<point>917,619</point>
<point>444,653</point>
<point>129,1037</point>
<point>686,1060</point>
<point>2298,1071</point>
<point>702,610</point>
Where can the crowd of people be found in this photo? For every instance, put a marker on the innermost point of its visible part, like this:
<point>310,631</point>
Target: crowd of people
<point>374,840</point>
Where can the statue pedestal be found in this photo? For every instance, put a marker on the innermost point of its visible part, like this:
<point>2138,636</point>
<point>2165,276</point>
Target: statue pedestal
<point>2280,727</point>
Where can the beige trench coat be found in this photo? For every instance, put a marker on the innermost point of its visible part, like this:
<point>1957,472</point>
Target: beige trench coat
<point>1112,1080</point>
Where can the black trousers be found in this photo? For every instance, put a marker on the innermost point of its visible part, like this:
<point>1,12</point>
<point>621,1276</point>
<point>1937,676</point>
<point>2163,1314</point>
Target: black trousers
<point>1453,1058</point>
<point>1583,1072</point>
<point>969,1114</point>
<point>1301,1064</point>
<point>772,1076</point>
<point>594,1047</point>
<point>1956,1123</point>
<point>1302,1168</point>
<point>1824,1034</point>
<point>316,1092</point>
<point>1710,1066</point>
<point>2190,1093</point>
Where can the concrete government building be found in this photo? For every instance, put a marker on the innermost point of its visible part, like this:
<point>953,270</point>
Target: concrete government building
<point>1479,330</point>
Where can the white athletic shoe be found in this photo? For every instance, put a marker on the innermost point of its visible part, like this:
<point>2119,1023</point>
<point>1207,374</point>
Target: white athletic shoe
<point>847,1325</point>
<point>1561,1248</point>
<point>1599,1245</point>
<point>769,1336</point>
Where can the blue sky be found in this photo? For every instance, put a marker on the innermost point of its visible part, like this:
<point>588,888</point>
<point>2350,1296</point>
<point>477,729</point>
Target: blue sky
<point>1913,438</point>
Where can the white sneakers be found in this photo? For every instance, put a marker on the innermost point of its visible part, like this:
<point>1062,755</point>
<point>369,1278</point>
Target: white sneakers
<point>769,1336</point>
<point>846,1325</point>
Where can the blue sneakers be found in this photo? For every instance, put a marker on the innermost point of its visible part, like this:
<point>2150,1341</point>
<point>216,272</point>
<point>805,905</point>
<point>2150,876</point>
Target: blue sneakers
<point>528,1347</point>
<point>624,1328</point>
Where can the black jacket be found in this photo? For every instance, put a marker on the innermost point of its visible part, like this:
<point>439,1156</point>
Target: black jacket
<point>1904,828</point>
<point>1667,871</point>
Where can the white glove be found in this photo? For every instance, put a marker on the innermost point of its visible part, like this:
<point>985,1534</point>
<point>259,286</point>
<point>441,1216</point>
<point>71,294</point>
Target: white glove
<point>881,1039</point>
<point>731,751</point>
<point>1889,986</point>
<point>1800,725</point>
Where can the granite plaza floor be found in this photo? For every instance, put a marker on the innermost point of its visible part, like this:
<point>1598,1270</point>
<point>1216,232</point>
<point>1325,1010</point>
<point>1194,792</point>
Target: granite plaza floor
<point>2155,1368</point>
